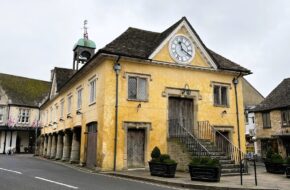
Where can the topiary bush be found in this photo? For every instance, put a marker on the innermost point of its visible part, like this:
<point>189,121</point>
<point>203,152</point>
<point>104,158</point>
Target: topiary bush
<point>155,154</point>
<point>277,159</point>
<point>269,153</point>
<point>204,161</point>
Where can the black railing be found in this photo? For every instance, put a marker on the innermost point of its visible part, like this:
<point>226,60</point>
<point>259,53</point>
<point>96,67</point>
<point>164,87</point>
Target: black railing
<point>181,130</point>
<point>206,131</point>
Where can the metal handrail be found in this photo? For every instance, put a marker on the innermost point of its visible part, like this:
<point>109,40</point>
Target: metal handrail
<point>177,130</point>
<point>206,131</point>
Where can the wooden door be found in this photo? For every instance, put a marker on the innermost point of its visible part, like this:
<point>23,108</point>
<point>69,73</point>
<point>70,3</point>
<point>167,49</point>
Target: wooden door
<point>180,114</point>
<point>91,145</point>
<point>135,148</point>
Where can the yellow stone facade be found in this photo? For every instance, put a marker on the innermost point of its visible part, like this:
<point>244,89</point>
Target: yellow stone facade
<point>162,74</point>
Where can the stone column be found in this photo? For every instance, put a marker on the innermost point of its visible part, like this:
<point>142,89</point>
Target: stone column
<point>66,147</point>
<point>53,147</point>
<point>59,146</point>
<point>40,148</point>
<point>75,147</point>
<point>44,146</point>
<point>48,148</point>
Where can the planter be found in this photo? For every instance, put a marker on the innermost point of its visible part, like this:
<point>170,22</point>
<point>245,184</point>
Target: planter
<point>275,168</point>
<point>205,173</point>
<point>288,171</point>
<point>162,169</point>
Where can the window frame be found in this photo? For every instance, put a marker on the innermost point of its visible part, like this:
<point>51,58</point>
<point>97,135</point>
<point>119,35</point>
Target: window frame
<point>92,97</point>
<point>138,77</point>
<point>79,98</point>
<point>219,103</point>
<point>285,123</point>
<point>2,108</point>
<point>69,104</point>
<point>24,115</point>
<point>61,109</point>
<point>266,114</point>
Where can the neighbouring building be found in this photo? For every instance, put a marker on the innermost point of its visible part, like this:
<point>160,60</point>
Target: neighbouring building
<point>144,89</point>
<point>273,121</point>
<point>20,99</point>
<point>252,97</point>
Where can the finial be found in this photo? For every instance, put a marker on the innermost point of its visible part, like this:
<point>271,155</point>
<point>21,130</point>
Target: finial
<point>86,35</point>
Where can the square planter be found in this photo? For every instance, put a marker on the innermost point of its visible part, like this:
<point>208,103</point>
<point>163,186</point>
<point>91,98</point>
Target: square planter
<point>205,173</point>
<point>275,168</point>
<point>288,171</point>
<point>162,169</point>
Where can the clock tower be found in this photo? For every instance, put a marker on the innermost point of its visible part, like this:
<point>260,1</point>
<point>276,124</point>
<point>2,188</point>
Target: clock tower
<point>83,50</point>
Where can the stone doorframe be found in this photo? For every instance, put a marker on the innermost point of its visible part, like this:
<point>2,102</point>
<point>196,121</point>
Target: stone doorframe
<point>182,93</point>
<point>224,128</point>
<point>136,125</point>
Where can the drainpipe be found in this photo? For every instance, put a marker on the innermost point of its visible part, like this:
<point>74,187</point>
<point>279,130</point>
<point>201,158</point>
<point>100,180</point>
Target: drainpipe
<point>36,131</point>
<point>117,69</point>
<point>8,116</point>
<point>235,82</point>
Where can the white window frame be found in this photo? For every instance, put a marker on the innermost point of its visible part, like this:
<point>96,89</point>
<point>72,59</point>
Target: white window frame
<point>24,115</point>
<point>69,103</point>
<point>92,91</point>
<point>61,108</point>
<point>79,98</point>
<point>138,77</point>
<point>2,108</point>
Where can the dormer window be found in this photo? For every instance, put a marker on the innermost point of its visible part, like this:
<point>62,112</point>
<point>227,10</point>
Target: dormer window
<point>23,116</point>
<point>285,114</point>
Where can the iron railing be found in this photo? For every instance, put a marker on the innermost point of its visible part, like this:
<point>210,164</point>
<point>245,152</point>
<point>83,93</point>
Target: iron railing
<point>222,143</point>
<point>181,129</point>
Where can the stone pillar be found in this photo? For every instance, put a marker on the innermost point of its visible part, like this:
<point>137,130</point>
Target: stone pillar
<point>48,148</point>
<point>53,147</point>
<point>66,147</point>
<point>59,146</point>
<point>44,146</point>
<point>75,147</point>
<point>40,149</point>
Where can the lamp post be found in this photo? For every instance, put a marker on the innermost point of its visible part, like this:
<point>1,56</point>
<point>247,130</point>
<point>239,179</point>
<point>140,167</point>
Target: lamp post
<point>236,81</point>
<point>117,69</point>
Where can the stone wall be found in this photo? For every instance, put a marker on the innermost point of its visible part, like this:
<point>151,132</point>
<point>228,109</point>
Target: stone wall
<point>179,153</point>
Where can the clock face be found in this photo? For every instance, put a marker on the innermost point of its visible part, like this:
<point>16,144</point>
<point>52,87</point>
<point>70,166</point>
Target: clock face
<point>181,49</point>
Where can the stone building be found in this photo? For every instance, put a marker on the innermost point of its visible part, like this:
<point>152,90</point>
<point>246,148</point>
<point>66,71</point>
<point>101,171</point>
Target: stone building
<point>144,89</point>
<point>252,97</point>
<point>273,121</point>
<point>19,112</point>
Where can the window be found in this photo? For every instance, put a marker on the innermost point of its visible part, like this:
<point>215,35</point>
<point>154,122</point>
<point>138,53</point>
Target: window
<point>1,114</point>
<point>79,102</point>
<point>23,115</point>
<point>69,100</point>
<point>55,113</point>
<point>93,91</point>
<point>285,114</point>
<point>51,112</point>
<point>137,88</point>
<point>61,108</point>
<point>220,95</point>
<point>266,120</point>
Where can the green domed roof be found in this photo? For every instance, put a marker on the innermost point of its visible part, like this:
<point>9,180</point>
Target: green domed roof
<point>85,43</point>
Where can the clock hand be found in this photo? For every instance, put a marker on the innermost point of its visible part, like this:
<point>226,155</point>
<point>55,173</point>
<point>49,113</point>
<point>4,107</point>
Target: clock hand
<point>184,49</point>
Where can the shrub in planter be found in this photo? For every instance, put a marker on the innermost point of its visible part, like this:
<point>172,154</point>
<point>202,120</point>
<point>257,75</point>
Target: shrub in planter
<point>205,169</point>
<point>275,164</point>
<point>161,164</point>
<point>287,164</point>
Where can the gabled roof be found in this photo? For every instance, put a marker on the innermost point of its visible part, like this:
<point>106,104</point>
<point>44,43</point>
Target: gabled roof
<point>141,44</point>
<point>278,98</point>
<point>24,91</point>
<point>62,76</point>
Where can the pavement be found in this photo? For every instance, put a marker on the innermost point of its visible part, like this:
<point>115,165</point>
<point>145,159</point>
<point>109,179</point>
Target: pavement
<point>265,180</point>
<point>25,172</point>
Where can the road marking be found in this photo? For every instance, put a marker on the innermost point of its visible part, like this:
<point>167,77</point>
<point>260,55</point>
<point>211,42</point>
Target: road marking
<point>58,183</point>
<point>10,171</point>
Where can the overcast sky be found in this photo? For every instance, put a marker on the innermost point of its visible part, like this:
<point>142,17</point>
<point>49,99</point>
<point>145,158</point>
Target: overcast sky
<point>36,36</point>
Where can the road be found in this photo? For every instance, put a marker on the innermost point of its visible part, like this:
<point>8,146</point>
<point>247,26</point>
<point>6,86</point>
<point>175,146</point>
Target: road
<point>24,172</point>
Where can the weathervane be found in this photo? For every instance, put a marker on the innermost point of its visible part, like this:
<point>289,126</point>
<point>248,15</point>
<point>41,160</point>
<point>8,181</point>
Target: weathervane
<point>86,35</point>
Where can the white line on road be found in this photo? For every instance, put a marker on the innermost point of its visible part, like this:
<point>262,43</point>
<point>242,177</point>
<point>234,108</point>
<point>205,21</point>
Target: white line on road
<point>58,183</point>
<point>10,171</point>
